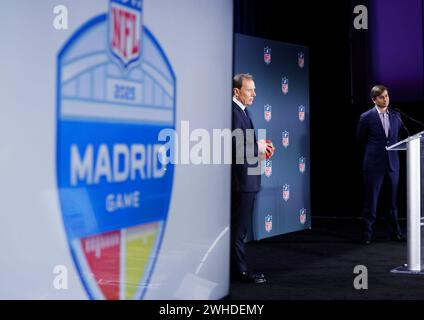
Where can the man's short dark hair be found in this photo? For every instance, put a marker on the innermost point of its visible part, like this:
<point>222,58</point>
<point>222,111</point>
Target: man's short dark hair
<point>378,90</point>
<point>238,79</point>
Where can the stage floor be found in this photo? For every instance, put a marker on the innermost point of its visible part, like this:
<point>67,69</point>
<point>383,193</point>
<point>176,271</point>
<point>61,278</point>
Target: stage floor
<point>319,264</point>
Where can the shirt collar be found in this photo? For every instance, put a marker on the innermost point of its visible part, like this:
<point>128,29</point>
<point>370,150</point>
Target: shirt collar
<point>379,112</point>
<point>239,103</point>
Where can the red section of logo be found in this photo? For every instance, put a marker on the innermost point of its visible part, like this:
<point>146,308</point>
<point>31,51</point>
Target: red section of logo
<point>102,255</point>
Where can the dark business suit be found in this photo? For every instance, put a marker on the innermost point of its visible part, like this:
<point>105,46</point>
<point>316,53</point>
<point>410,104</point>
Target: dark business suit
<point>380,167</point>
<point>244,187</point>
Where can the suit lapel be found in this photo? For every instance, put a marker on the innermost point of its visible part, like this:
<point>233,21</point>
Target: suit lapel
<point>248,122</point>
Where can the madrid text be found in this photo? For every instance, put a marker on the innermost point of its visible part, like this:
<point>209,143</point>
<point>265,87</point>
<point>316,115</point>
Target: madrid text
<point>118,163</point>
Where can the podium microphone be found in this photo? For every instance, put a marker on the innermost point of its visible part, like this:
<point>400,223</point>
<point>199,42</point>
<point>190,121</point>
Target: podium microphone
<point>397,111</point>
<point>408,117</point>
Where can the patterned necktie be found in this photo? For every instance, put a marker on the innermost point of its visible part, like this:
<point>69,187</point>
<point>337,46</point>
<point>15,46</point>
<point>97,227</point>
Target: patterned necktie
<point>386,123</point>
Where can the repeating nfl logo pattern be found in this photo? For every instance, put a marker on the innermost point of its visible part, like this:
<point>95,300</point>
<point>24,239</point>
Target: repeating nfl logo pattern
<point>301,113</point>
<point>267,112</point>
<point>301,59</point>
<point>285,139</point>
<point>302,216</point>
<point>268,168</point>
<point>285,85</point>
<point>268,223</point>
<point>267,55</point>
<point>302,164</point>
<point>287,121</point>
<point>286,192</point>
<point>114,222</point>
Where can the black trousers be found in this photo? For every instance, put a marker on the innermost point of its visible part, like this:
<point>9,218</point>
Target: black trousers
<point>374,182</point>
<point>242,204</point>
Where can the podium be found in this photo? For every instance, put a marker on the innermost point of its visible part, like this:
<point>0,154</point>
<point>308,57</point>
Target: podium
<point>414,155</point>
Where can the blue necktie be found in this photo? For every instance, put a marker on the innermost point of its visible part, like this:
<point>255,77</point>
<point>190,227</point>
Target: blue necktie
<point>248,116</point>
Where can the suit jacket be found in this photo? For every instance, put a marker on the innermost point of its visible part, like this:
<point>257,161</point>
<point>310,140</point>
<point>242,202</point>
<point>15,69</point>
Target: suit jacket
<point>241,181</point>
<point>373,141</point>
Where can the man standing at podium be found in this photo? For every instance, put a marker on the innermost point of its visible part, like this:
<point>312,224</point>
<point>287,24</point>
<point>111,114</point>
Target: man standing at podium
<point>380,127</point>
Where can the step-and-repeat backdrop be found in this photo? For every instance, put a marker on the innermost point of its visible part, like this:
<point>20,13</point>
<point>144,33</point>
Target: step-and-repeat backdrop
<point>281,107</point>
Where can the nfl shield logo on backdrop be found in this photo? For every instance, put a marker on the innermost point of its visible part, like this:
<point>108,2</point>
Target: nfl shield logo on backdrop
<point>268,168</point>
<point>267,112</point>
<point>301,59</point>
<point>124,31</point>
<point>268,223</point>
<point>302,161</point>
<point>285,85</point>
<point>302,216</point>
<point>301,113</point>
<point>267,55</point>
<point>285,139</point>
<point>286,192</point>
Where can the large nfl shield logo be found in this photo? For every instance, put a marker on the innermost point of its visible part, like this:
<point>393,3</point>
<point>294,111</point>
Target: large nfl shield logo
<point>114,192</point>
<point>302,216</point>
<point>285,139</point>
<point>301,59</point>
<point>268,223</point>
<point>286,192</point>
<point>301,113</point>
<point>267,112</point>
<point>267,55</point>
<point>285,85</point>
<point>124,31</point>
<point>302,161</point>
<point>268,168</point>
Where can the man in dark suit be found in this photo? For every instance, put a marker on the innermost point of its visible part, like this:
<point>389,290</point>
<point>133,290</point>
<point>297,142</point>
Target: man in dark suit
<point>245,175</point>
<point>380,127</point>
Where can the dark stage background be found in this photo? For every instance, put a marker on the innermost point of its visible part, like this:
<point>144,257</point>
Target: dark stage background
<point>344,64</point>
